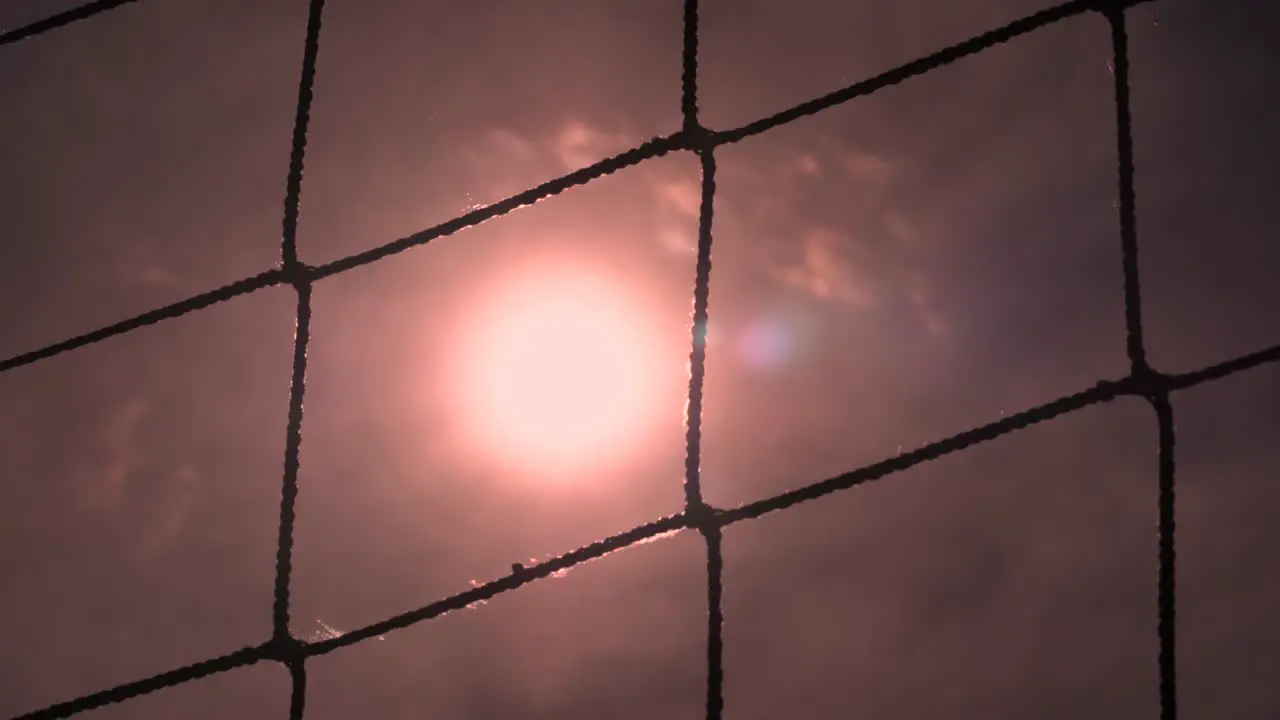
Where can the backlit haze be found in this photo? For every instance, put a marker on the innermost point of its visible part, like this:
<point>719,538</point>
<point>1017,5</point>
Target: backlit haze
<point>558,370</point>
<point>887,273</point>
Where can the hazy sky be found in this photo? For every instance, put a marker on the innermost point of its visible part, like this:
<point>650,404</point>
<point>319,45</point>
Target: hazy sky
<point>890,272</point>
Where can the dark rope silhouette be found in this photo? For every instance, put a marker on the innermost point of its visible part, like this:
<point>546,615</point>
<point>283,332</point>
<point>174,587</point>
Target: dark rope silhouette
<point>697,140</point>
<point>62,19</point>
<point>296,273</point>
<point>1142,381</point>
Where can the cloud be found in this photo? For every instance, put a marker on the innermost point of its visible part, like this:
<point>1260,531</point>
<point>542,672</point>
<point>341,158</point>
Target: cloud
<point>920,295</point>
<point>808,165</point>
<point>578,144</point>
<point>680,197</point>
<point>829,219</point>
<point>575,144</point>
<point>823,272</point>
<point>901,230</point>
<point>510,162</point>
<point>865,167</point>
<point>119,456</point>
<point>678,242</point>
<point>146,274</point>
<point>677,204</point>
<point>168,519</point>
<point>512,145</point>
<point>506,162</point>
<point>117,462</point>
<point>822,216</point>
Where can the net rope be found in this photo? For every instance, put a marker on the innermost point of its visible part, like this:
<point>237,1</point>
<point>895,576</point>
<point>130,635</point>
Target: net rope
<point>1142,381</point>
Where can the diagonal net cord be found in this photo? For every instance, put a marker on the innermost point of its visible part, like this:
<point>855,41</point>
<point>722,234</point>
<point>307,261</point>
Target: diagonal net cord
<point>1142,381</point>
<point>59,20</point>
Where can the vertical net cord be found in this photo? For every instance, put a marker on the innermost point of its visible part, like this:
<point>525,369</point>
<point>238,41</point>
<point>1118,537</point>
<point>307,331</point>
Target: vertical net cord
<point>1167,622</point>
<point>1127,202</point>
<point>700,514</point>
<point>1155,386</point>
<point>288,648</point>
<point>298,689</point>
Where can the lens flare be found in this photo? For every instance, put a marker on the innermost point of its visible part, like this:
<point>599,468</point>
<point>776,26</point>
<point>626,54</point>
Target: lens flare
<point>765,345</point>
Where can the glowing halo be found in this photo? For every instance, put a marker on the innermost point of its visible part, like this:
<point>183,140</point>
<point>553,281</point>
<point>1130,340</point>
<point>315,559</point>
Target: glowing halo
<point>556,370</point>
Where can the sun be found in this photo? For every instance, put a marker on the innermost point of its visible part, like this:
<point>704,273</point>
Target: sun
<point>558,371</point>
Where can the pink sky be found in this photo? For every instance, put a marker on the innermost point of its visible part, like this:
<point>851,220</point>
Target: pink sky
<point>890,272</point>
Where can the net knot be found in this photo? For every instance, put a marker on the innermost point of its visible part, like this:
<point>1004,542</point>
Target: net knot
<point>702,517</point>
<point>1150,383</point>
<point>1112,8</point>
<point>296,273</point>
<point>287,650</point>
<point>697,138</point>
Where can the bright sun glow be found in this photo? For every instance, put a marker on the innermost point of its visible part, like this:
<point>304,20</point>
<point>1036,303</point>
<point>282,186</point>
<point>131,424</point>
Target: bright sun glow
<point>559,371</point>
